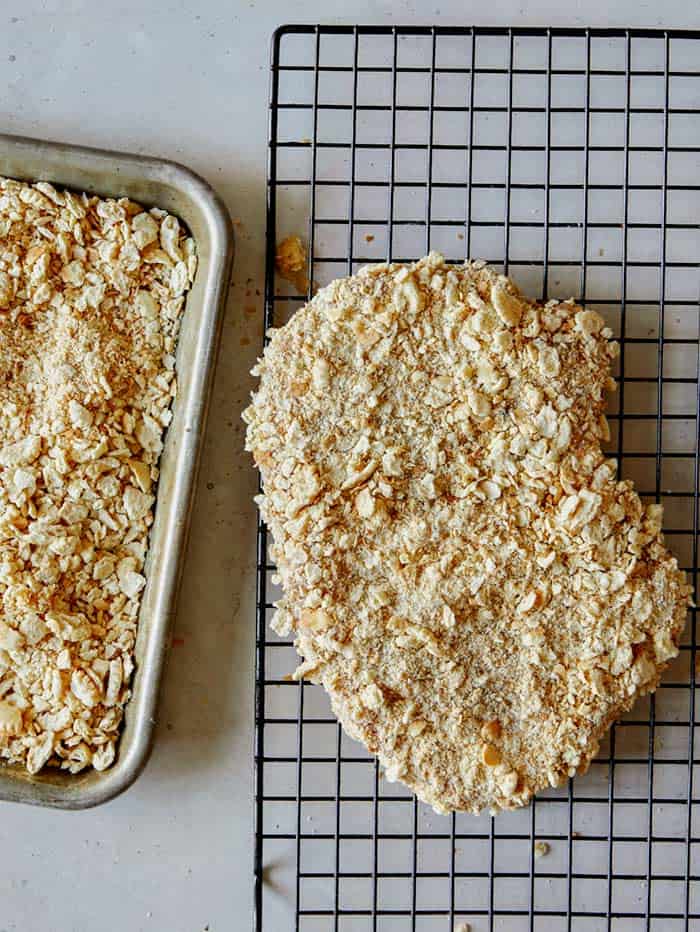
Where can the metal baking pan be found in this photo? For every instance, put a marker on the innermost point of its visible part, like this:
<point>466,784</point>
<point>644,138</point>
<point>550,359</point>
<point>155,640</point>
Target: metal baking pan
<point>176,189</point>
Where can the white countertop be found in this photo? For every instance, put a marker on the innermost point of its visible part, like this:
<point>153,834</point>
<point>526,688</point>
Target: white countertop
<point>189,82</point>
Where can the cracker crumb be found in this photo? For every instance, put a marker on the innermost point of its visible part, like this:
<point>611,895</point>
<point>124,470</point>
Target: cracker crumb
<point>290,261</point>
<point>91,295</point>
<point>541,849</point>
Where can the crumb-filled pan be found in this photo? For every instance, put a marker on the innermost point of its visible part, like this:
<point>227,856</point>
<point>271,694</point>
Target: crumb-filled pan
<point>152,183</point>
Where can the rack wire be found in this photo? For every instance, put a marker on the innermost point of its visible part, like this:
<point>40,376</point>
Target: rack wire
<point>571,160</point>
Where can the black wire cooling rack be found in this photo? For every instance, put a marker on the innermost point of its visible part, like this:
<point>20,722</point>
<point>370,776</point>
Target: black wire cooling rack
<point>571,159</point>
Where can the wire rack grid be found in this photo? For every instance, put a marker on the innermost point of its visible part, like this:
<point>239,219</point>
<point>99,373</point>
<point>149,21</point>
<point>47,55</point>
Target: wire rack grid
<point>571,159</point>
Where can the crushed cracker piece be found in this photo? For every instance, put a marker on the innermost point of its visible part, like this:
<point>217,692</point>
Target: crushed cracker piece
<point>290,262</point>
<point>541,849</point>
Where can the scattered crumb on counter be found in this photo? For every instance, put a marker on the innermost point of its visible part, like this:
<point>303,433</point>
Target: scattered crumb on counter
<point>462,927</point>
<point>369,237</point>
<point>541,849</point>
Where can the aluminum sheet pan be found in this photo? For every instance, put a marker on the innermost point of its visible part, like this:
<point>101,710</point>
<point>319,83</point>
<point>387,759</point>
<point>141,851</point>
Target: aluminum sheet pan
<point>165,184</point>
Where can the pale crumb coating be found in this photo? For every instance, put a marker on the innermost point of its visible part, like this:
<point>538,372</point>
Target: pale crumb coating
<point>462,570</point>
